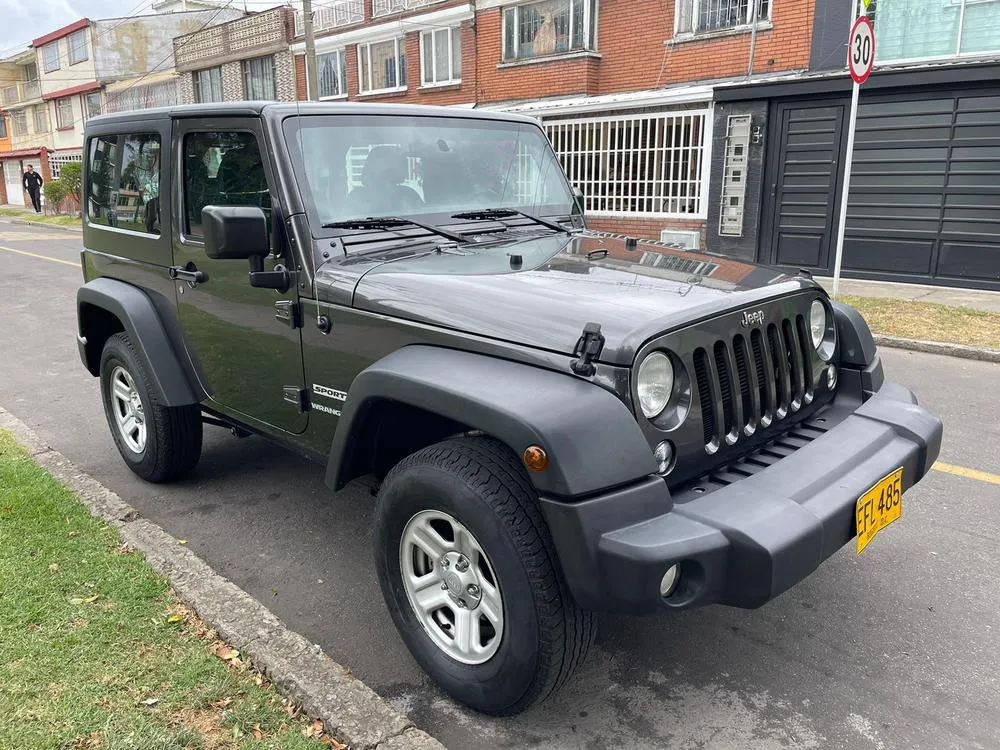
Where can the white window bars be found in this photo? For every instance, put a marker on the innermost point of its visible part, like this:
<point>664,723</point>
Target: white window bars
<point>695,16</point>
<point>650,165</point>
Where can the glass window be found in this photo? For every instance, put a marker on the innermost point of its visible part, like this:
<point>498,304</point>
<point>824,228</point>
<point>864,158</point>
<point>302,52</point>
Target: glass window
<point>382,65</point>
<point>908,29</point>
<point>332,67</point>
<point>3,126</point>
<point>693,16</point>
<point>123,177</point>
<point>50,57</point>
<point>92,104</point>
<point>41,113</point>
<point>19,122</point>
<point>441,54</point>
<point>378,165</point>
<point>64,113</point>
<point>78,47</point>
<point>208,85</point>
<point>222,169</point>
<point>548,27</point>
<point>258,78</point>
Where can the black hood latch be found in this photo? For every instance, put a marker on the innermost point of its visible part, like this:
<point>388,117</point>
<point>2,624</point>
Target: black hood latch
<point>588,348</point>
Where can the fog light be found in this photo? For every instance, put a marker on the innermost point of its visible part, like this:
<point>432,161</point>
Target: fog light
<point>669,581</point>
<point>664,455</point>
<point>831,377</point>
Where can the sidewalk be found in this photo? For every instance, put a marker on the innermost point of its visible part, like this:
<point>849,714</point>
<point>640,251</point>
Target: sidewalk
<point>940,295</point>
<point>22,215</point>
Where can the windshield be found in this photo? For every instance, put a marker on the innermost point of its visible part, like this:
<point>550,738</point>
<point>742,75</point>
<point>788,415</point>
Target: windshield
<point>390,165</point>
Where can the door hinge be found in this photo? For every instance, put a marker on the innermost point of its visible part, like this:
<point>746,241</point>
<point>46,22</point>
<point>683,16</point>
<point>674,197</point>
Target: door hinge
<point>588,348</point>
<point>288,312</point>
<point>295,395</point>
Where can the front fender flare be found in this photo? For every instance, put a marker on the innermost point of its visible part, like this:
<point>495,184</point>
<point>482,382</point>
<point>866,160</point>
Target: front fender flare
<point>591,437</point>
<point>138,316</point>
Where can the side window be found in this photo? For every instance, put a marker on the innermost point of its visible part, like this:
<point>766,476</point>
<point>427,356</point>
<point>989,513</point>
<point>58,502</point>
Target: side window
<point>222,169</point>
<point>124,182</point>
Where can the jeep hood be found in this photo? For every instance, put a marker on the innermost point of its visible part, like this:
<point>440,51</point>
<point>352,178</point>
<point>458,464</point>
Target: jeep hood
<point>541,292</point>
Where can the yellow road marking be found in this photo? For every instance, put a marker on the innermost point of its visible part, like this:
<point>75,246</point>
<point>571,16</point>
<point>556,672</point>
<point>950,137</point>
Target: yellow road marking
<point>42,257</point>
<point>982,476</point>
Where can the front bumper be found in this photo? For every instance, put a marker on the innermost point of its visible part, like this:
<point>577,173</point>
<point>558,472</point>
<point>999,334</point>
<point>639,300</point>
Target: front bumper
<point>745,543</point>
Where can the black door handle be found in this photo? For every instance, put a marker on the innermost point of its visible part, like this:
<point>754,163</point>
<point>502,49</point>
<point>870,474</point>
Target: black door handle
<point>188,273</point>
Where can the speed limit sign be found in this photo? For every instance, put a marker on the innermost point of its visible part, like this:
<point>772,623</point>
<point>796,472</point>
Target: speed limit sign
<point>861,50</point>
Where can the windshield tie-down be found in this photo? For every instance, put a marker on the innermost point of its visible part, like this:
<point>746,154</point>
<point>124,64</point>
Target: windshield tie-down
<point>495,214</point>
<point>393,222</point>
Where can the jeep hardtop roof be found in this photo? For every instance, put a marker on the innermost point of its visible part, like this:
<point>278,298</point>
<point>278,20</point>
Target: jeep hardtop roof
<point>280,110</point>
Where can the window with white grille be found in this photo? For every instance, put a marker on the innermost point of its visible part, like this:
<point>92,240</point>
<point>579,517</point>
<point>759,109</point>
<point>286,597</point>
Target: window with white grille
<point>734,176</point>
<point>56,162</point>
<point>332,15</point>
<point>694,16</point>
<point>548,27</point>
<point>636,165</point>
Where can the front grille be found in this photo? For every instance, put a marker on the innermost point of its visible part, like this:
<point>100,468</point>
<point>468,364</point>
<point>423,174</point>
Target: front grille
<point>738,396</point>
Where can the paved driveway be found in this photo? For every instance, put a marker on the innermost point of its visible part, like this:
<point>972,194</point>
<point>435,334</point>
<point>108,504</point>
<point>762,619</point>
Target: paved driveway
<point>897,648</point>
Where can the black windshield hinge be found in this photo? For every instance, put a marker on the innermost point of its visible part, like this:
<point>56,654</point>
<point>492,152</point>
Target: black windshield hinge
<point>288,312</point>
<point>588,348</point>
<point>295,395</point>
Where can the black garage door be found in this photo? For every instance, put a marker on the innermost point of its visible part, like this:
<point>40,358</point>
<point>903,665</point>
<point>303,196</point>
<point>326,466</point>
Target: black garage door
<point>925,190</point>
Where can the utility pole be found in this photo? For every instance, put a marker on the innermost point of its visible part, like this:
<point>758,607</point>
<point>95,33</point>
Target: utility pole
<point>312,74</point>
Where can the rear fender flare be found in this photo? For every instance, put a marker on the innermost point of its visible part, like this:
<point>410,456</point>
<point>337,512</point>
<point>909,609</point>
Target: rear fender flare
<point>592,439</point>
<point>139,319</point>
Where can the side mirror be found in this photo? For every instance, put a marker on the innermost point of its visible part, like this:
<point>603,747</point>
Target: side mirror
<point>240,233</point>
<point>235,232</point>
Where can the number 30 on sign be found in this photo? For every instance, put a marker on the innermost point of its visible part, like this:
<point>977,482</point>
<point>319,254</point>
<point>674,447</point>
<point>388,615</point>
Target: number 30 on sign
<point>861,50</point>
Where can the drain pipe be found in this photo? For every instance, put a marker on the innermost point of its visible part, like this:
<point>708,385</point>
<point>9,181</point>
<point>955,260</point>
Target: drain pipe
<point>753,34</point>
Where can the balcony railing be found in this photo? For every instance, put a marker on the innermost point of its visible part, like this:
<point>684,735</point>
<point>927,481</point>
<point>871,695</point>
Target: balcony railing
<point>20,92</point>
<point>385,7</point>
<point>332,16</point>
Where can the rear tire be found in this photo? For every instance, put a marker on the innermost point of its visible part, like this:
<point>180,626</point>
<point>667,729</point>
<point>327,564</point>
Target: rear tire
<point>159,443</point>
<point>478,489</point>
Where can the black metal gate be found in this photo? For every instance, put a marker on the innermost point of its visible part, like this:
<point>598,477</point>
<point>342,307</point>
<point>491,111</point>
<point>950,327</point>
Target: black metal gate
<point>925,190</point>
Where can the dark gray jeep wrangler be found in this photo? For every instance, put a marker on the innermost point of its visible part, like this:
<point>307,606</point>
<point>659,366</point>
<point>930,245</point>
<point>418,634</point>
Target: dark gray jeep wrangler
<point>561,421</point>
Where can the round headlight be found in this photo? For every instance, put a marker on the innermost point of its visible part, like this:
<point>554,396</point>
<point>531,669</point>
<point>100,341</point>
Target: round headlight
<point>817,323</point>
<point>654,383</point>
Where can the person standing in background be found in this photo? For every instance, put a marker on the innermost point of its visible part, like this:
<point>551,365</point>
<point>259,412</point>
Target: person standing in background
<point>32,182</point>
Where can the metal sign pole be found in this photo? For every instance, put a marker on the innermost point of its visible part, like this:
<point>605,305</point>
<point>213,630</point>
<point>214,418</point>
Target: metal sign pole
<point>846,188</point>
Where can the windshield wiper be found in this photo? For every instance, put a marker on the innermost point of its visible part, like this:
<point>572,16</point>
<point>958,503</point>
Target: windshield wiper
<point>489,214</point>
<point>392,222</point>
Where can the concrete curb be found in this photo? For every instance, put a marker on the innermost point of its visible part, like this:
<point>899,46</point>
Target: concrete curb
<point>349,709</point>
<point>937,347</point>
<point>29,223</point>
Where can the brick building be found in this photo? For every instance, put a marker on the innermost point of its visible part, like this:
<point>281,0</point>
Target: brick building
<point>244,59</point>
<point>611,80</point>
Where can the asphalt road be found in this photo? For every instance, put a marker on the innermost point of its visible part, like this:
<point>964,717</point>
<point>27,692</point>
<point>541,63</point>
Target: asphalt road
<point>897,648</point>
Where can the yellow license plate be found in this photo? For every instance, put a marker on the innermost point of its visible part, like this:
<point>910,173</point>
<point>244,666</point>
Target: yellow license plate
<point>879,507</point>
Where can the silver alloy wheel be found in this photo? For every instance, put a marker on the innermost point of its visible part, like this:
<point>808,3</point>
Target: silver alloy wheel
<point>451,586</point>
<point>127,408</point>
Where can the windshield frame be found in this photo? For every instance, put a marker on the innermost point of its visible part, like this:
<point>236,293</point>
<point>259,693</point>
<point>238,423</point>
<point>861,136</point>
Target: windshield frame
<point>291,127</point>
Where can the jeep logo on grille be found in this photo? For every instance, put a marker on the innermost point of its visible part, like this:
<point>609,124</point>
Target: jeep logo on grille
<point>755,318</point>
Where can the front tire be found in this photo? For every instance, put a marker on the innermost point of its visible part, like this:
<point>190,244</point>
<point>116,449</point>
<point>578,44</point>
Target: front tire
<point>470,576</point>
<point>159,443</point>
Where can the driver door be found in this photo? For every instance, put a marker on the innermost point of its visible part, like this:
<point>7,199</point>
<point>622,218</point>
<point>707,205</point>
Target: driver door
<point>247,359</point>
